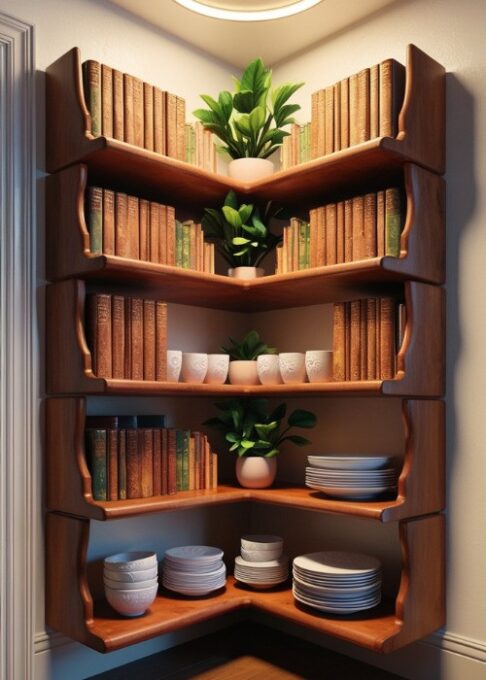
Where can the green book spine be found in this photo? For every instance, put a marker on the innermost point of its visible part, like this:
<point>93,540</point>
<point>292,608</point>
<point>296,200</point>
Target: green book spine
<point>178,244</point>
<point>96,445</point>
<point>179,458</point>
<point>307,141</point>
<point>95,219</point>
<point>187,140</point>
<point>186,245</point>
<point>307,245</point>
<point>92,88</point>
<point>302,245</point>
<point>122,464</point>
<point>393,222</point>
<point>186,436</point>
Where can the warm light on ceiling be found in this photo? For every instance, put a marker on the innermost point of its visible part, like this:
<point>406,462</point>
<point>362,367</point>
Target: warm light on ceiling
<point>230,10</point>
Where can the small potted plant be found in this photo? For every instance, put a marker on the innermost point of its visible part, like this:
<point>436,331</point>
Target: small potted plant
<point>249,121</point>
<point>256,434</point>
<point>241,235</point>
<point>243,355</point>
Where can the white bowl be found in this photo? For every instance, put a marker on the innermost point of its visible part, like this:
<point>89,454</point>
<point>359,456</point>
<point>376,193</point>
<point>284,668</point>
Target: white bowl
<point>121,585</point>
<point>131,602</point>
<point>261,542</point>
<point>261,555</point>
<point>131,576</point>
<point>131,561</point>
<point>318,365</point>
<point>292,367</point>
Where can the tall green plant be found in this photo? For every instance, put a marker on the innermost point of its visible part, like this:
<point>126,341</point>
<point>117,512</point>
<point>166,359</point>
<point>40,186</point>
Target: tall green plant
<point>249,121</point>
<point>249,348</point>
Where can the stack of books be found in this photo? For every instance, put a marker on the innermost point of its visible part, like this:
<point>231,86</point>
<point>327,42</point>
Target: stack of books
<point>127,337</point>
<point>200,148</point>
<point>125,108</point>
<point>366,337</point>
<point>295,250</point>
<point>137,457</point>
<point>296,148</point>
<point>364,106</point>
<point>138,229</point>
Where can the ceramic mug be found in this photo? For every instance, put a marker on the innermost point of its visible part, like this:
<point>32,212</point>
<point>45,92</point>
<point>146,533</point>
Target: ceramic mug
<point>268,369</point>
<point>194,367</point>
<point>318,364</point>
<point>292,367</point>
<point>174,364</point>
<point>218,365</point>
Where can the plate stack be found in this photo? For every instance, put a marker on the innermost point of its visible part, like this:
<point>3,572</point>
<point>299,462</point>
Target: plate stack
<point>353,477</point>
<point>193,570</point>
<point>337,582</point>
<point>261,564</point>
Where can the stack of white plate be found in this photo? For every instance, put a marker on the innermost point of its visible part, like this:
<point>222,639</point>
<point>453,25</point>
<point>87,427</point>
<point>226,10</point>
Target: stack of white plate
<point>353,477</point>
<point>261,564</point>
<point>337,582</point>
<point>194,569</point>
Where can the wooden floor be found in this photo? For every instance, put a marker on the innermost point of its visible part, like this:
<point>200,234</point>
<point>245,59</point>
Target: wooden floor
<point>247,652</point>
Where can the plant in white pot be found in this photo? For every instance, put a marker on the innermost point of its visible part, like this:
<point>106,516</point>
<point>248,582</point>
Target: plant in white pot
<point>243,355</point>
<point>249,121</point>
<point>256,434</point>
<point>241,234</point>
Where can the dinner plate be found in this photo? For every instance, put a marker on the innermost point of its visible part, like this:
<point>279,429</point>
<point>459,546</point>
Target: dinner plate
<point>349,462</point>
<point>336,562</point>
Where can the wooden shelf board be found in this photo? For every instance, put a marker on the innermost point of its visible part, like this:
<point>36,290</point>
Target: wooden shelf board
<point>171,611</point>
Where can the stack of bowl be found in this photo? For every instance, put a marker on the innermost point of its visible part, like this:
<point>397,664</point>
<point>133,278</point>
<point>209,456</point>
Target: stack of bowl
<point>131,581</point>
<point>261,564</point>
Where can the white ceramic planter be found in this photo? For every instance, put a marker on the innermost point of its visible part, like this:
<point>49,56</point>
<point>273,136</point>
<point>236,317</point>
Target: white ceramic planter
<point>174,364</point>
<point>292,367</point>
<point>194,367</point>
<point>218,365</point>
<point>243,373</point>
<point>268,369</point>
<point>256,472</point>
<point>250,169</point>
<point>246,272</point>
<point>318,365</point>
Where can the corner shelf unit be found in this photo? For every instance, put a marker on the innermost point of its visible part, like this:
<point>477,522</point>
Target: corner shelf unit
<point>420,486</point>
<point>415,159</point>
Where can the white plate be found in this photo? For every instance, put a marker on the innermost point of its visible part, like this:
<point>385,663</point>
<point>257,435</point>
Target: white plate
<point>357,493</point>
<point>281,561</point>
<point>337,563</point>
<point>326,590</point>
<point>339,584</point>
<point>194,553</point>
<point>338,604</point>
<point>195,592</point>
<point>337,610</point>
<point>349,462</point>
<point>334,474</point>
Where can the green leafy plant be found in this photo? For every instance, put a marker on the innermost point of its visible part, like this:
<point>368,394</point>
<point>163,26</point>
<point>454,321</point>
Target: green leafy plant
<point>240,232</point>
<point>249,348</point>
<point>251,430</point>
<point>249,122</point>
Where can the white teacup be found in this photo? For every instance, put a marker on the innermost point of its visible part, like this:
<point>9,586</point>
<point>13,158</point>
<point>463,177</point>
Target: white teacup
<point>318,364</point>
<point>218,365</point>
<point>174,364</point>
<point>292,367</point>
<point>268,369</point>
<point>194,367</point>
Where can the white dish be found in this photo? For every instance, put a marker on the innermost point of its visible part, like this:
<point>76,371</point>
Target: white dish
<point>261,555</point>
<point>349,462</point>
<point>335,592</point>
<point>193,591</point>
<point>261,542</point>
<point>357,493</point>
<point>130,576</point>
<point>121,585</point>
<point>351,474</point>
<point>281,561</point>
<point>131,602</point>
<point>202,554</point>
<point>338,563</point>
<point>131,561</point>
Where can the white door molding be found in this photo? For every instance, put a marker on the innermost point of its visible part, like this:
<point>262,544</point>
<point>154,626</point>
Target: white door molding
<point>18,348</point>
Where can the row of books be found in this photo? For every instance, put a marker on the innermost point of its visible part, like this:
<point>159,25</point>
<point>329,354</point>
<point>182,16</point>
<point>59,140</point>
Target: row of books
<point>364,106</point>
<point>133,227</point>
<point>127,337</point>
<point>367,335</point>
<point>137,457</point>
<point>296,148</point>
<point>355,229</point>
<point>200,148</point>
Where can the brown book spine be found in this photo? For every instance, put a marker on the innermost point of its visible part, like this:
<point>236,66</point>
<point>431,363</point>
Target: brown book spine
<point>353,110</point>
<point>107,100</point>
<point>331,233</point>
<point>129,122</point>
<point>134,479</point>
<point>392,87</point>
<point>149,339</point>
<point>192,462</point>
<point>138,113</point>
<point>363,341</point>
<point>154,232</point>
<point>92,86</point>
<point>295,243</point>
<point>364,105</point>
<point>171,121</point>
<point>321,236</point>
<point>181,128</point>
<point>112,460</point>
<point>355,340</point>
<point>207,464</point>
<point>374,101</point>
<point>95,219</point>
<point>121,225</point>
<point>159,118</point>
<point>288,248</point>
<point>358,228</point>
<point>337,116</point>
<point>128,338</point>
<point>370,249</point>
<point>144,229</point>
<point>99,309</point>
<point>344,113</point>
<point>340,232</point>
<point>122,464</point>
<point>133,228</point>
<point>160,340</point>
<point>371,338</point>
<point>118,106</point>
<point>214,467</point>
<point>314,124</point>
<point>329,119</point>
<point>313,237</point>
<point>197,460</point>
<point>171,235</point>
<point>321,123</point>
<point>148,117</point>
<point>387,338</point>
<point>339,342</point>
<point>146,452</point>
<point>171,462</point>
<point>108,222</point>
<point>118,336</point>
<point>348,230</point>
<point>380,223</point>
<point>136,339</point>
<point>164,470</point>
<point>347,340</point>
<point>157,462</point>
<point>162,234</point>
<point>192,247</point>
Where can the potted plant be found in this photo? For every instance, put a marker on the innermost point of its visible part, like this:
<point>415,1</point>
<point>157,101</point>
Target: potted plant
<point>241,235</point>
<point>256,434</point>
<point>249,121</point>
<point>243,355</point>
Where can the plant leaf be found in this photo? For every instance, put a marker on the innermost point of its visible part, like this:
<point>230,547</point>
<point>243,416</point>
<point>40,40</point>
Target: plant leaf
<point>232,216</point>
<point>301,418</point>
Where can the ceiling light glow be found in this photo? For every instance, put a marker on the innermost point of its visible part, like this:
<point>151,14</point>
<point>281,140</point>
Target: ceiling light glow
<point>217,12</point>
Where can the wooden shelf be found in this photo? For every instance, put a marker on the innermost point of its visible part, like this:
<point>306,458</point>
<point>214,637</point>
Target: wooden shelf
<point>420,361</point>
<point>421,256</point>
<point>420,487</point>
<point>417,611</point>
<point>420,140</point>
